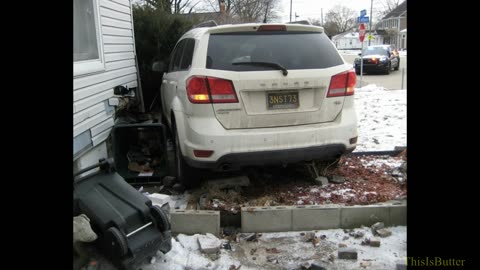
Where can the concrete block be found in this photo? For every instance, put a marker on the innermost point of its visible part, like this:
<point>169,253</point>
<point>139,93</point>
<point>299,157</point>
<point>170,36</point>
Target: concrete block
<point>315,218</point>
<point>208,243</point>
<point>321,180</point>
<point>267,219</point>
<point>398,215</point>
<point>375,242</point>
<point>384,233</point>
<point>238,181</point>
<point>347,253</point>
<point>195,221</point>
<point>356,216</point>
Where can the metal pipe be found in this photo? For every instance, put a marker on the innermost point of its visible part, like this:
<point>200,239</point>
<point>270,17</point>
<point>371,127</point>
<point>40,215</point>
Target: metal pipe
<point>403,76</point>
<point>290,10</point>
<point>139,229</point>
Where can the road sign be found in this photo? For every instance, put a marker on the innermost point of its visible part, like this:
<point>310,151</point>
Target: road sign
<point>370,37</point>
<point>365,19</point>
<point>361,32</point>
<point>363,13</point>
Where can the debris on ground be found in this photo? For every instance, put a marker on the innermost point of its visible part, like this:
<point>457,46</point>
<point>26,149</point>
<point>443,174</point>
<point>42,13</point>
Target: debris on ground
<point>384,233</point>
<point>209,243</point>
<point>374,242</point>
<point>347,253</point>
<point>360,180</point>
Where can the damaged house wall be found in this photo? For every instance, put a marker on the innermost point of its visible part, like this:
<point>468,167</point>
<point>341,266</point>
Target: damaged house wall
<point>104,57</point>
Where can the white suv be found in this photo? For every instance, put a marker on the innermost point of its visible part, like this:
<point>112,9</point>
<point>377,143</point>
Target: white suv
<point>256,94</point>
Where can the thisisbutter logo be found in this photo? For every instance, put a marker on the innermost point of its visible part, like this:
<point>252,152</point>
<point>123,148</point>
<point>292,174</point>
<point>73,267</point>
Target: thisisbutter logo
<point>434,261</point>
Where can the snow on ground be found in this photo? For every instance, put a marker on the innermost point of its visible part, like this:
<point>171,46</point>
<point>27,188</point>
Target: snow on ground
<point>350,52</point>
<point>278,247</point>
<point>382,118</point>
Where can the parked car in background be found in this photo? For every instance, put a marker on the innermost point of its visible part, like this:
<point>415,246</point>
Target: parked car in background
<point>257,94</point>
<point>378,58</point>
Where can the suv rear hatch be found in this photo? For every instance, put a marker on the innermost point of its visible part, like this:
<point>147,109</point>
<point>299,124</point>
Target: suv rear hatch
<point>293,93</point>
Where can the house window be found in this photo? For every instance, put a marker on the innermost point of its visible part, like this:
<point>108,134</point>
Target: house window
<point>87,45</point>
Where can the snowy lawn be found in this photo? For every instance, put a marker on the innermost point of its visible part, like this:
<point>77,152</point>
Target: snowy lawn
<point>382,118</point>
<point>274,251</point>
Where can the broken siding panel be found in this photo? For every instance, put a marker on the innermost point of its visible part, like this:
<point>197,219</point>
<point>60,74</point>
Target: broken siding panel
<point>105,12</point>
<point>115,6</point>
<point>90,101</point>
<point>102,127</point>
<point>116,23</point>
<point>89,112</point>
<point>131,80</point>
<point>91,92</point>
<point>101,137</point>
<point>89,123</point>
<point>110,57</point>
<point>117,48</point>
<point>102,77</point>
<point>117,40</point>
<point>81,142</point>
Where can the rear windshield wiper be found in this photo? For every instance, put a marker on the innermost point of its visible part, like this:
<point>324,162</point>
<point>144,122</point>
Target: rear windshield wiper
<point>264,64</point>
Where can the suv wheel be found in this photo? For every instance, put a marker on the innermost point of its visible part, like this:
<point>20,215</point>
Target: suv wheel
<point>183,171</point>
<point>389,67</point>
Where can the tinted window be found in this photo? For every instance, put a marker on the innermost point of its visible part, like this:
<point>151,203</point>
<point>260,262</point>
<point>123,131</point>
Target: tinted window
<point>293,50</point>
<point>187,54</point>
<point>177,56</point>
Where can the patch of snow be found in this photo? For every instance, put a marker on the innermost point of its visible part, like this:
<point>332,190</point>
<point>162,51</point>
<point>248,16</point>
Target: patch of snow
<point>175,201</point>
<point>314,190</point>
<point>389,162</point>
<point>381,118</point>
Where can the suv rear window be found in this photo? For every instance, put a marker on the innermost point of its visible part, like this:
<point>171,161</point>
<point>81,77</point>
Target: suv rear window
<point>293,50</point>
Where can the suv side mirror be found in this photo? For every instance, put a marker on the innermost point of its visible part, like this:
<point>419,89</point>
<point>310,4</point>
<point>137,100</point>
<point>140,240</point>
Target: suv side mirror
<point>159,66</point>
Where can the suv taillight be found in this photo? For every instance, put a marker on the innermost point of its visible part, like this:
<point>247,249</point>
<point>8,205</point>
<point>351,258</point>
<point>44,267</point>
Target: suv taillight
<point>201,89</point>
<point>342,84</point>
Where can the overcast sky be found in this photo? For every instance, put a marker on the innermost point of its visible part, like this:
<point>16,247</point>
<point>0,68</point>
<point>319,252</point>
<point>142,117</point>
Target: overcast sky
<point>312,8</point>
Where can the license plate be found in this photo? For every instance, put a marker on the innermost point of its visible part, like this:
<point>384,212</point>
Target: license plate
<point>282,100</point>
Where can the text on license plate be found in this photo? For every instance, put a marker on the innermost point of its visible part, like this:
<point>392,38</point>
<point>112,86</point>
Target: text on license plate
<point>282,100</point>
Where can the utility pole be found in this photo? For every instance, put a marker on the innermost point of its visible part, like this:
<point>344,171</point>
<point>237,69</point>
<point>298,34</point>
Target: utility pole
<point>371,19</point>
<point>290,10</point>
<point>322,15</point>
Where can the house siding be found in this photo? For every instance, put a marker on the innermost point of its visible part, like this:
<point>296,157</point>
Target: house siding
<point>92,114</point>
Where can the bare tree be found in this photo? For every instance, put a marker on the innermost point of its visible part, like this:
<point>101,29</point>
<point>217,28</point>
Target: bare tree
<point>173,6</point>
<point>339,19</point>
<point>247,10</point>
<point>314,21</point>
<point>388,6</point>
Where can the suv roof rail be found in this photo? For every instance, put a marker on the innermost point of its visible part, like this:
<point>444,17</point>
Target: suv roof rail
<point>300,22</point>
<point>209,23</point>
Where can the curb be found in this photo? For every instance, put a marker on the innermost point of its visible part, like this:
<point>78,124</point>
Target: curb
<point>293,218</point>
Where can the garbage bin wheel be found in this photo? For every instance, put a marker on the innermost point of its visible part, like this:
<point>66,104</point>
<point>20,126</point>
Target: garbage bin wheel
<point>160,219</point>
<point>117,242</point>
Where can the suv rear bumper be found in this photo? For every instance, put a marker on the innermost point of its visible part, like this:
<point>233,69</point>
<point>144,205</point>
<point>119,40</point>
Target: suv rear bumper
<point>236,161</point>
<point>243,147</point>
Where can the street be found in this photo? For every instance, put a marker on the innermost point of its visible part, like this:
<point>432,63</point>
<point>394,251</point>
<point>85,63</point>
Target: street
<point>393,81</point>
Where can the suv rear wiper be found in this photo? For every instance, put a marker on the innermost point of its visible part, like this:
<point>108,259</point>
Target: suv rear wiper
<point>264,64</point>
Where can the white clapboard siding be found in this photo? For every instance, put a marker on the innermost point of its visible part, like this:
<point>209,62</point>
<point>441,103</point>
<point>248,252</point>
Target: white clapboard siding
<point>90,101</point>
<point>102,77</point>
<point>101,127</point>
<point>114,31</point>
<point>117,48</point>
<point>110,57</point>
<point>97,88</point>
<point>119,64</point>
<point>114,6</point>
<point>116,23</point>
<point>89,112</point>
<point>92,91</point>
<point>101,137</point>
<point>122,2</point>
<point>105,12</point>
<point>89,123</point>
<point>117,40</point>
